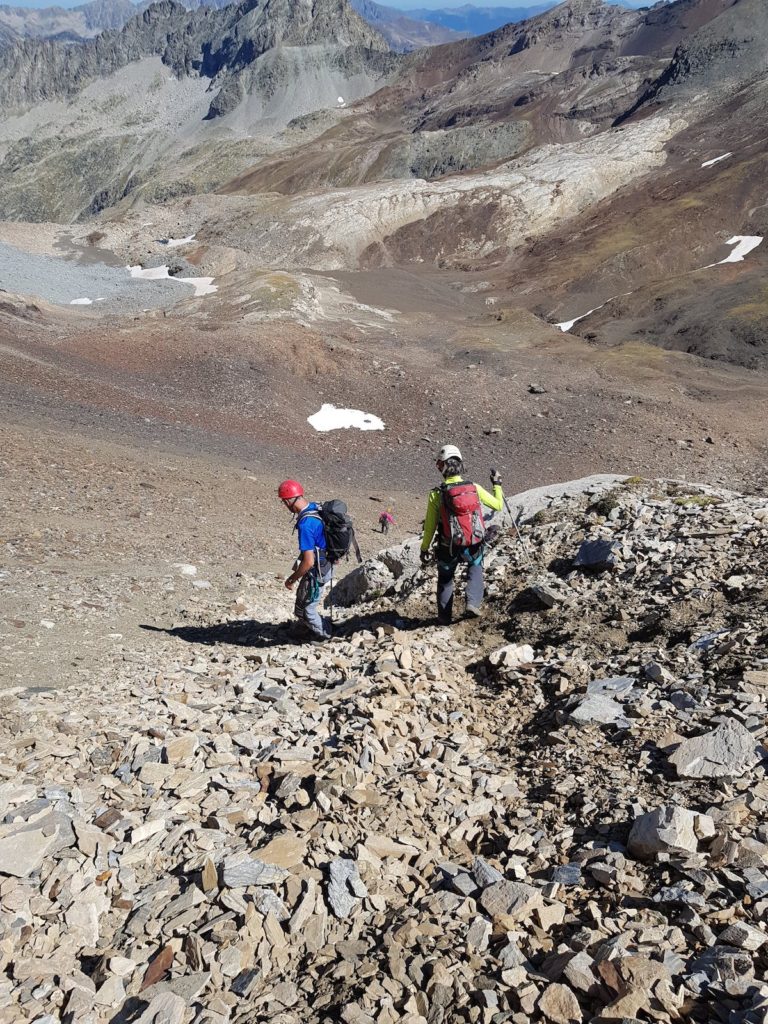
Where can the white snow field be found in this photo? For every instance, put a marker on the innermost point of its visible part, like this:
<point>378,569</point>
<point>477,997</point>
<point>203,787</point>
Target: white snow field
<point>566,325</point>
<point>331,418</point>
<point>202,285</point>
<point>744,246</point>
<point>711,163</point>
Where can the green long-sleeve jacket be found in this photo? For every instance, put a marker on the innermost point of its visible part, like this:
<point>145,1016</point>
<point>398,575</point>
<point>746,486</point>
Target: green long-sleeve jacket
<point>494,501</point>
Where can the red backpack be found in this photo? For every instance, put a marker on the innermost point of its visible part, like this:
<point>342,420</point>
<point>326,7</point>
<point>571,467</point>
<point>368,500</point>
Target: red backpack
<point>461,514</point>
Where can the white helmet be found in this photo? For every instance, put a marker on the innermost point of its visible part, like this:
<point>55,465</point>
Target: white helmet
<point>448,451</point>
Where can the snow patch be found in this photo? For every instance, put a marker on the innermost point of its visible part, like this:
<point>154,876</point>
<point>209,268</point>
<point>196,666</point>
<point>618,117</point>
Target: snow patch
<point>711,163</point>
<point>81,302</point>
<point>744,246</point>
<point>566,325</point>
<point>202,285</point>
<point>331,418</point>
<point>173,243</point>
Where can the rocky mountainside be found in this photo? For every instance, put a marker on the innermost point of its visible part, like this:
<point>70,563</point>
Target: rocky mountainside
<point>727,50</point>
<point>556,815</point>
<point>67,24</point>
<point>402,30</point>
<point>470,20</point>
<point>207,42</point>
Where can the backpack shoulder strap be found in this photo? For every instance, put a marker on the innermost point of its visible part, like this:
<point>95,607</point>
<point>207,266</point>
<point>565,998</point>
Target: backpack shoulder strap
<point>308,513</point>
<point>356,545</point>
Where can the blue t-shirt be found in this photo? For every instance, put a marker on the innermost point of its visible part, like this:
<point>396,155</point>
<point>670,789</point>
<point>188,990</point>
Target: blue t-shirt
<point>310,530</point>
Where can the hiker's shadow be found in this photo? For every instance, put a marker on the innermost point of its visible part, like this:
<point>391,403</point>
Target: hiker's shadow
<point>239,632</point>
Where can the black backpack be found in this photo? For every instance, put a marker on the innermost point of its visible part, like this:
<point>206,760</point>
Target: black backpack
<point>338,527</point>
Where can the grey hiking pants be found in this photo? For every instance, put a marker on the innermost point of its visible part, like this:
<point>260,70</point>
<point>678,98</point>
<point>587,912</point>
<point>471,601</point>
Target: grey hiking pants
<point>447,564</point>
<point>308,596</point>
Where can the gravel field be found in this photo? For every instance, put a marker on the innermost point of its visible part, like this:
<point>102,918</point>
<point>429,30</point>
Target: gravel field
<point>63,282</point>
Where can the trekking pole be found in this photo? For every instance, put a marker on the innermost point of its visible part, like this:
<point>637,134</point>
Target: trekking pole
<point>520,537</point>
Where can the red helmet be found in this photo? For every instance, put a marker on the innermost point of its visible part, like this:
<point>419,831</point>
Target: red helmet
<point>290,489</point>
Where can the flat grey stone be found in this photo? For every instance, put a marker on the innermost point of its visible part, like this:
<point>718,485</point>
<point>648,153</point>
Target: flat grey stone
<point>595,708</point>
<point>511,899</point>
<point>241,870</point>
<point>728,751</point>
<point>617,686</point>
<point>24,852</point>
<point>345,887</point>
<point>743,936</point>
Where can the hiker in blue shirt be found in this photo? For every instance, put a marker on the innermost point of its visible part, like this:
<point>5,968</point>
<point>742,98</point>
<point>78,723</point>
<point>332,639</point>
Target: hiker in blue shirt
<point>312,570</point>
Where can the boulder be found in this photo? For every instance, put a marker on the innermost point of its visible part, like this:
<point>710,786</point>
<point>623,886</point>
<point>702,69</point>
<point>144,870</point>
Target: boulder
<point>727,752</point>
<point>668,829</point>
<point>597,554</point>
<point>512,656</point>
<point>365,582</point>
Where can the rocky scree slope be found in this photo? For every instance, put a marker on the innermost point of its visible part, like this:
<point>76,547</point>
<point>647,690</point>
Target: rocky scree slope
<point>556,815</point>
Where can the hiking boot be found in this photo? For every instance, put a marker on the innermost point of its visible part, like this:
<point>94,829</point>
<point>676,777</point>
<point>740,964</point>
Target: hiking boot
<point>318,638</point>
<point>473,612</point>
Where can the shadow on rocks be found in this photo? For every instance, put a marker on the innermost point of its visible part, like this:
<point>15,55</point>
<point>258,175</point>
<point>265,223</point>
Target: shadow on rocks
<point>242,633</point>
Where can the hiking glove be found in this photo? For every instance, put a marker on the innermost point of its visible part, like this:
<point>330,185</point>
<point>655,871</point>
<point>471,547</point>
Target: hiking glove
<point>495,477</point>
<point>424,557</point>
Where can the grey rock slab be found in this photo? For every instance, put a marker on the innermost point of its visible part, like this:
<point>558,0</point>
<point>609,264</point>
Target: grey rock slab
<point>166,1008</point>
<point>728,751</point>
<point>484,873</point>
<point>345,887</point>
<point>597,554</point>
<point>616,686</point>
<point>240,870</point>
<point>527,503</point>
<point>595,708</point>
<point>24,852</point>
<point>511,899</point>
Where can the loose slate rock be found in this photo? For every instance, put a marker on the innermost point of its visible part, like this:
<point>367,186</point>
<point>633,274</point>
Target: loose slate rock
<point>559,1004</point>
<point>595,708</point>
<point>597,554</point>
<point>511,899</point>
<point>241,870</point>
<point>24,852</point>
<point>668,829</point>
<point>345,888</point>
<point>727,752</point>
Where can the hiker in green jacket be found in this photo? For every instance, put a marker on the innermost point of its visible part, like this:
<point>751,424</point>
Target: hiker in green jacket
<point>455,511</point>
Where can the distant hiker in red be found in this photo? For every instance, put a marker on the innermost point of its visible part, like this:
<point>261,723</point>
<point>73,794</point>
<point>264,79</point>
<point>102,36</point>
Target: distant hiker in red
<point>312,569</point>
<point>455,511</point>
<point>385,521</point>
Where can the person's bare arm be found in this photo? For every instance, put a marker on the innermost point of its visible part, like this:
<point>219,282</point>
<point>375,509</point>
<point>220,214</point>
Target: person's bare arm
<point>306,562</point>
